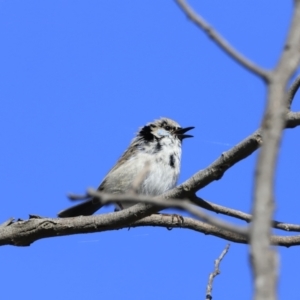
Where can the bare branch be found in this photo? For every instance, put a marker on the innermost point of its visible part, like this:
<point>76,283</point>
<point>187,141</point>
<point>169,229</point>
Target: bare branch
<point>198,226</point>
<point>24,233</point>
<point>169,203</point>
<point>221,42</point>
<point>262,257</point>
<point>219,209</point>
<point>205,204</point>
<point>293,119</point>
<point>216,170</point>
<point>215,273</point>
<point>16,235</point>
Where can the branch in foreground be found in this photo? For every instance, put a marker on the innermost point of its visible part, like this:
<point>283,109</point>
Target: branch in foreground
<point>169,203</point>
<point>215,273</point>
<point>263,258</point>
<point>186,205</point>
<point>221,42</point>
<point>24,233</point>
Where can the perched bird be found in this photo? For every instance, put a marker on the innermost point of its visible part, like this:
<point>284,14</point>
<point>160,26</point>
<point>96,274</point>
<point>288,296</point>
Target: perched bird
<point>157,147</point>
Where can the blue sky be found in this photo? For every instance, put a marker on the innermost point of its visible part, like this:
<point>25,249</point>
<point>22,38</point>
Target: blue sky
<point>77,79</point>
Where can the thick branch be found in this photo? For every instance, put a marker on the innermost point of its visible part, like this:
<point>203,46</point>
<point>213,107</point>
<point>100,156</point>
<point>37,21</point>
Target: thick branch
<point>264,260</point>
<point>24,233</point>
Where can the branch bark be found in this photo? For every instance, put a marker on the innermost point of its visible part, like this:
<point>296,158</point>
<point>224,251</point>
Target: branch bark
<point>264,260</point>
<point>160,203</point>
<point>215,273</point>
<point>24,233</point>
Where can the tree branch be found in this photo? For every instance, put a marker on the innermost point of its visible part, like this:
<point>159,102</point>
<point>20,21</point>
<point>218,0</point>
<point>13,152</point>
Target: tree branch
<point>216,170</point>
<point>14,236</point>
<point>293,119</point>
<point>264,260</point>
<point>219,209</point>
<point>215,273</point>
<point>221,42</point>
<point>169,203</point>
<point>139,211</point>
<point>24,233</point>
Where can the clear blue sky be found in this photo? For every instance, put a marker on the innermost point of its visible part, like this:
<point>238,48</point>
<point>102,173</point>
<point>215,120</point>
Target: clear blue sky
<point>77,79</point>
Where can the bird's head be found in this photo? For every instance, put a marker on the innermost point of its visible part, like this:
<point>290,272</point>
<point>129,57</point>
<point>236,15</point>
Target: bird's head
<point>162,128</point>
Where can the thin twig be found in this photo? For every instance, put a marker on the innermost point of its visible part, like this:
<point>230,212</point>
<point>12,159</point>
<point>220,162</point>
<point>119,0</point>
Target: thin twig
<point>7,223</point>
<point>215,273</point>
<point>219,209</point>
<point>221,42</point>
<point>77,197</point>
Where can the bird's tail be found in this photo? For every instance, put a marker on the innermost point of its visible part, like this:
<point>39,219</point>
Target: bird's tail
<point>83,209</point>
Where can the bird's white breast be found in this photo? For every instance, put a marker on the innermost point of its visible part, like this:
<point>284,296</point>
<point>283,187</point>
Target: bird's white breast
<point>164,168</point>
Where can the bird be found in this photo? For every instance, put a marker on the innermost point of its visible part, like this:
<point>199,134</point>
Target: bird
<point>157,148</point>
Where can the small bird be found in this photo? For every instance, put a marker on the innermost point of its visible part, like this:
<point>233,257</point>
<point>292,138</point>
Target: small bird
<point>157,148</point>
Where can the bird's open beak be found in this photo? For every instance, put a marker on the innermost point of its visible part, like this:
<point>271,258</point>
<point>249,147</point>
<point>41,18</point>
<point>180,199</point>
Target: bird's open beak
<point>180,132</point>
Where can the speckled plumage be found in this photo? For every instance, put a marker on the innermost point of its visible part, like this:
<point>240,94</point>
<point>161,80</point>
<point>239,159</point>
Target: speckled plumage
<point>157,145</point>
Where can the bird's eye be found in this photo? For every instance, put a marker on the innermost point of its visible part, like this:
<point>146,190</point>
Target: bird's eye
<point>167,127</point>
